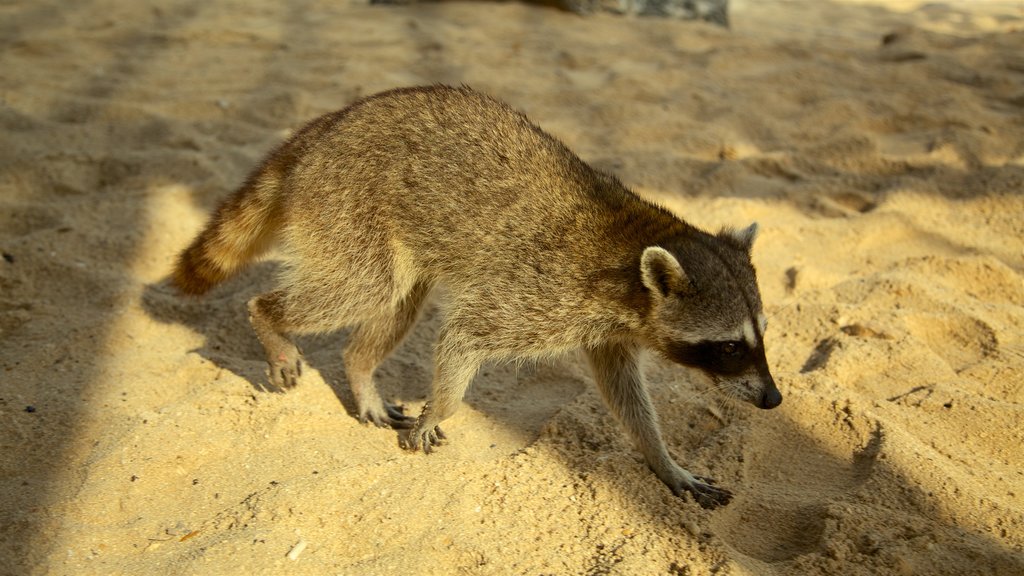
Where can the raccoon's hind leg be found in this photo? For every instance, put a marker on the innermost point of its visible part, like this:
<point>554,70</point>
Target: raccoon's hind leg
<point>617,373</point>
<point>368,346</point>
<point>269,320</point>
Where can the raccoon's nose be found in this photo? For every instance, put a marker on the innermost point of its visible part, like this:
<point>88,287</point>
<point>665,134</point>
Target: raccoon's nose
<point>770,399</point>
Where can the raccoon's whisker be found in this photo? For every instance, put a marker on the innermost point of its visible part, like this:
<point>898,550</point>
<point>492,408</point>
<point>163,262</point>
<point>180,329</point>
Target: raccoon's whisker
<point>717,400</point>
<point>714,389</point>
<point>705,396</point>
<point>729,407</point>
<point>697,393</point>
<point>729,399</point>
<point>726,408</point>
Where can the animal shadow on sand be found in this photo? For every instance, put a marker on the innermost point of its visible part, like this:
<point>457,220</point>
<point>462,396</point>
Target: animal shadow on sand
<point>519,396</point>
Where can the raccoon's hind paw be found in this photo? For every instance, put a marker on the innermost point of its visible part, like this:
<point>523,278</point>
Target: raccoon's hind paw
<point>387,415</point>
<point>708,496</point>
<point>425,437</point>
<point>285,368</point>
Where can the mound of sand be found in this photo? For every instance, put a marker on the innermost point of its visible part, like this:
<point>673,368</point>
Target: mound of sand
<point>879,145</point>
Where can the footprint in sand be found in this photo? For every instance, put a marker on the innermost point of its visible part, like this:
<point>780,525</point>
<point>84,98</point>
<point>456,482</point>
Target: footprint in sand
<point>843,205</point>
<point>957,339</point>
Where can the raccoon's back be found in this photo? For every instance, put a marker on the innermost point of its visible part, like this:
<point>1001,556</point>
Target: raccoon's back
<point>437,147</point>
<point>480,148</point>
<point>454,174</point>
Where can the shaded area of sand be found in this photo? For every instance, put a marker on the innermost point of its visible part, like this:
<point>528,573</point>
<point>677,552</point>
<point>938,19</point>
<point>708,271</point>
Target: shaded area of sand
<point>881,148</point>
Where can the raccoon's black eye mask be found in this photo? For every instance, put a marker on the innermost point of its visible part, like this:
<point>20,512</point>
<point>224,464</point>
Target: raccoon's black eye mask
<point>726,358</point>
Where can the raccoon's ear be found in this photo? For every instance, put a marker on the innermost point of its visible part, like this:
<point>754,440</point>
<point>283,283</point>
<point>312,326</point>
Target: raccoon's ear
<point>661,272</point>
<point>743,239</point>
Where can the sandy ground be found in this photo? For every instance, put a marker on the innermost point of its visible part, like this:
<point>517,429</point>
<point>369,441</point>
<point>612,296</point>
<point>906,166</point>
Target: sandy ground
<point>879,145</point>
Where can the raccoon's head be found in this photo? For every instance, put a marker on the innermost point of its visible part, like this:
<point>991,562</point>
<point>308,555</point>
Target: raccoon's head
<point>705,311</point>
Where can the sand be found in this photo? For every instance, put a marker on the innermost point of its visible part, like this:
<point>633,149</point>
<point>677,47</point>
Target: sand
<point>879,145</point>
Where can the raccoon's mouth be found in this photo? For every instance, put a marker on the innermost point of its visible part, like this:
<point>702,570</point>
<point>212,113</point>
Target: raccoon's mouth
<point>767,398</point>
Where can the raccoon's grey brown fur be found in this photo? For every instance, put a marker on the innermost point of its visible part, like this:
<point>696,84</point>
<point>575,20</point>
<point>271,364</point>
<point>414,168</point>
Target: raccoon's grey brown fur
<point>536,252</point>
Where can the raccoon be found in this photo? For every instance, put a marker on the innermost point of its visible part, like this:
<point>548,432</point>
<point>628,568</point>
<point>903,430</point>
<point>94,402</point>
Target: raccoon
<point>535,254</point>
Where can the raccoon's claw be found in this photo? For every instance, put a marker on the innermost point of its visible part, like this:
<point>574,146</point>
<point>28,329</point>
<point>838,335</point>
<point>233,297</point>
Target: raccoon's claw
<point>391,416</point>
<point>397,418</point>
<point>706,495</point>
<point>427,438</point>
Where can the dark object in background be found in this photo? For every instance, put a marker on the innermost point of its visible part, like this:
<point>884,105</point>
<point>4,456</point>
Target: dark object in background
<point>715,11</point>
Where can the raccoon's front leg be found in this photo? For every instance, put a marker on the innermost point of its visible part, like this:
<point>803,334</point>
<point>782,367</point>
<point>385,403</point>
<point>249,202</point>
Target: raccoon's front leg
<point>617,373</point>
<point>367,347</point>
<point>453,372</point>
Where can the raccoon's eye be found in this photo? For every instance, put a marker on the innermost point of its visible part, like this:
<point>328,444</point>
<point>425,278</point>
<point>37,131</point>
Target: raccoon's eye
<point>730,348</point>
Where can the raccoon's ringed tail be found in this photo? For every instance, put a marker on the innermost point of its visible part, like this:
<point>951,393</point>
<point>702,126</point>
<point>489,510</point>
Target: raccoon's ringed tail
<point>240,230</point>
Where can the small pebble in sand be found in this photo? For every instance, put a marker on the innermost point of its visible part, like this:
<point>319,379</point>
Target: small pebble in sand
<point>692,528</point>
<point>293,554</point>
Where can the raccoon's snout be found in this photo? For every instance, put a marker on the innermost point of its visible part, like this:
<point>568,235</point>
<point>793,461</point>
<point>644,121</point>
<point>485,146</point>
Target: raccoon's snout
<point>770,398</point>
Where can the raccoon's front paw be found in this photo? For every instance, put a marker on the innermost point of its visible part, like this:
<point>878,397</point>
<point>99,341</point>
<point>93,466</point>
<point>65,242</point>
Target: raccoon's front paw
<point>386,415</point>
<point>708,496</point>
<point>285,368</point>
<point>423,436</point>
